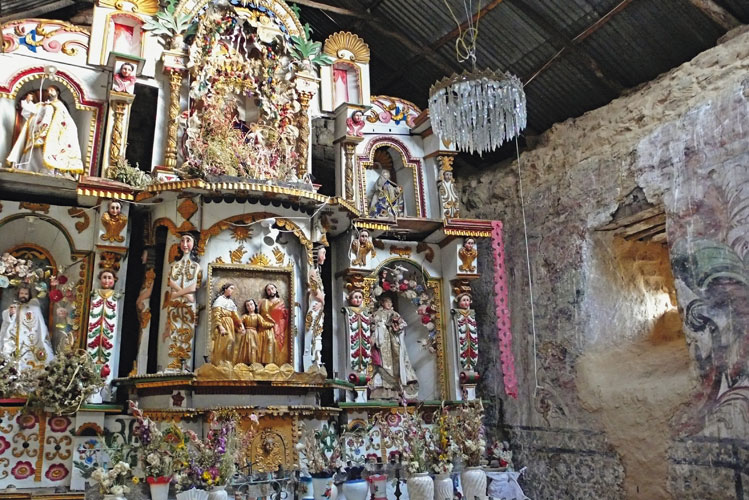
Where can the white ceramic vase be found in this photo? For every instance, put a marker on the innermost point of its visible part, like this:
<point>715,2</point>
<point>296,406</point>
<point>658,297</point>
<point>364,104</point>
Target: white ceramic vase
<point>379,486</point>
<point>473,482</point>
<point>443,487</point>
<point>192,494</point>
<point>218,493</point>
<point>159,487</point>
<point>114,497</point>
<point>355,489</point>
<point>305,488</point>
<point>323,487</point>
<point>420,486</point>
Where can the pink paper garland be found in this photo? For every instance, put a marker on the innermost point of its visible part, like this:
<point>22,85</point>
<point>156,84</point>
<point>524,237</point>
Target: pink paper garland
<point>502,310</point>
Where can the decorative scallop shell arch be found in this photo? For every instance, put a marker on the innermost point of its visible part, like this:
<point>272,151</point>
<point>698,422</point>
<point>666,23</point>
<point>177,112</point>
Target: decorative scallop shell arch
<point>347,46</point>
<point>280,10</point>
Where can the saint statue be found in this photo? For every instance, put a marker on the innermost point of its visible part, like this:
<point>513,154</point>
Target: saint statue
<point>48,142</point>
<point>359,331</point>
<point>248,351</point>
<point>393,374</point>
<point>124,80</point>
<point>185,277</point>
<point>273,344</point>
<point>468,340</point>
<point>102,328</point>
<point>113,221</point>
<point>362,246</point>
<point>468,254</point>
<point>448,195</point>
<point>24,332</point>
<point>387,198</point>
<point>226,326</point>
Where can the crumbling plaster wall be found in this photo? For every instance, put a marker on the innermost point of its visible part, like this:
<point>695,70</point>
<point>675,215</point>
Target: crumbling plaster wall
<point>683,139</point>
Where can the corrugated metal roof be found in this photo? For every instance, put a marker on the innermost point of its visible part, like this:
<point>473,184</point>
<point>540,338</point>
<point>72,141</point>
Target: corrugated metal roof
<point>642,39</point>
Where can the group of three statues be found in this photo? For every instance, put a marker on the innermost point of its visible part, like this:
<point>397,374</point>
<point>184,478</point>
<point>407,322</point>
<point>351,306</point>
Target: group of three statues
<point>258,336</point>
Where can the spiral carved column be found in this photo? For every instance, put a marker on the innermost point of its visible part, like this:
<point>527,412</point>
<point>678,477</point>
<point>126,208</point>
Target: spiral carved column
<point>175,83</point>
<point>304,133</point>
<point>116,149</point>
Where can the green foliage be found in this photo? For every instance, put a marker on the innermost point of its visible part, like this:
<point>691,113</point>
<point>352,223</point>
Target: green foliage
<point>133,176</point>
<point>308,52</point>
<point>166,24</point>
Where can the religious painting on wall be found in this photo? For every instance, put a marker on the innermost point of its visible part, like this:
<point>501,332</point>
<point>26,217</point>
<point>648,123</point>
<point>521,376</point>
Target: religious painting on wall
<point>251,315</point>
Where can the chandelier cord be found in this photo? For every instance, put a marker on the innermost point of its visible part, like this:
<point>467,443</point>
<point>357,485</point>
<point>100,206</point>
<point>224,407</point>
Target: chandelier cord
<point>465,43</point>
<point>528,265</point>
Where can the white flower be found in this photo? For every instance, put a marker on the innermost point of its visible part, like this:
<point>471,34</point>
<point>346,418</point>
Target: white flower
<point>118,490</point>
<point>152,458</point>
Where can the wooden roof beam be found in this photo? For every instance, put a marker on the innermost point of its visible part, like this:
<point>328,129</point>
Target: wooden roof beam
<point>718,14</point>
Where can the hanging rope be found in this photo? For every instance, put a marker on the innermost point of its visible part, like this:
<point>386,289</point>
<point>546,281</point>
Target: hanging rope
<point>465,44</point>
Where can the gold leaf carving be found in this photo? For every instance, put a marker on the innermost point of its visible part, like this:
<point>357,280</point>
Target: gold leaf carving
<point>187,208</point>
<point>79,213</point>
<point>237,254</point>
<point>400,251</point>
<point>35,207</point>
<point>259,259</point>
<point>348,46</point>
<point>279,255</point>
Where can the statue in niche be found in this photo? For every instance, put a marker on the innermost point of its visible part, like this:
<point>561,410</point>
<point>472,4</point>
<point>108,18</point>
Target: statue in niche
<point>359,331</point>
<point>48,141</point>
<point>274,345</point>
<point>361,248</point>
<point>355,124</point>
<point>468,254</point>
<point>113,221</point>
<point>124,80</point>
<point>387,198</point>
<point>102,327</point>
<point>393,374</point>
<point>468,340</point>
<point>313,322</point>
<point>226,326</point>
<point>448,194</point>
<point>24,332</point>
<point>185,277</point>
<point>248,345</point>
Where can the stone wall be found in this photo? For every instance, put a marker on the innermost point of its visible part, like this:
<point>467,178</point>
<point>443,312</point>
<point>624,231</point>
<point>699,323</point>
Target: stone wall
<point>611,406</point>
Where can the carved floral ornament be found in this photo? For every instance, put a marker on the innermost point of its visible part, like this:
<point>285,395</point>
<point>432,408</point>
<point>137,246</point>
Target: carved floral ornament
<point>148,7</point>
<point>347,46</point>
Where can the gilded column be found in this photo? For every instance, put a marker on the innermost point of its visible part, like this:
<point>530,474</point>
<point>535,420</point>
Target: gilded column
<point>302,144</point>
<point>349,149</point>
<point>116,149</point>
<point>175,84</point>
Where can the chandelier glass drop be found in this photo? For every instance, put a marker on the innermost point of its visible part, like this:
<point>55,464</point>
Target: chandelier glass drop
<point>477,110</point>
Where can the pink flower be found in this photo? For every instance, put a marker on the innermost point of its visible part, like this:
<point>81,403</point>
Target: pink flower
<point>55,295</point>
<point>62,279</point>
<point>4,444</point>
<point>59,424</point>
<point>22,470</point>
<point>26,421</point>
<point>56,472</point>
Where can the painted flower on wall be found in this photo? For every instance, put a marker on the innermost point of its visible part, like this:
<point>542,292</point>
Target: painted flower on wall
<point>56,472</point>
<point>59,424</point>
<point>27,421</point>
<point>22,470</point>
<point>4,444</point>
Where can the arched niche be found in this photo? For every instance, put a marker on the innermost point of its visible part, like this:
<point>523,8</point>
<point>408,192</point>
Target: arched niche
<point>419,302</point>
<point>86,113</point>
<point>124,34</point>
<point>347,87</point>
<point>388,154</point>
<point>46,240</point>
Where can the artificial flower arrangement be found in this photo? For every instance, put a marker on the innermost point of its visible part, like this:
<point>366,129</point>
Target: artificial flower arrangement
<point>161,452</point>
<point>211,462</point>
<point>500,455</point>
<point>466,426</point>
<point>415,290</point>
<point>113,481</point>
<point>443,449</point>
<point>412,437</point>
<point>352,443</point>
<point>320,450</point>
<point>11,378</point>
<point>65,383</point>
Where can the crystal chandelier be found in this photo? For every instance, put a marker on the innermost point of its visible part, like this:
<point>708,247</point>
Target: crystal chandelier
<point>478,110</point>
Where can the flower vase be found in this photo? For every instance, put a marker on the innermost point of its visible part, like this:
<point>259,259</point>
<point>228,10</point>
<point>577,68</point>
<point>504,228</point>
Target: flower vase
<point>218,493</point>
<point>193,494</point>
<point>322,486</point>
<point>420,486</point>
<point>114,497</point>
<point>159,487</point>
<point>473,482</point>
<point>355,489</point>
<point>305,488</point>
<point>379,486</point>
<point>443,487</point>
